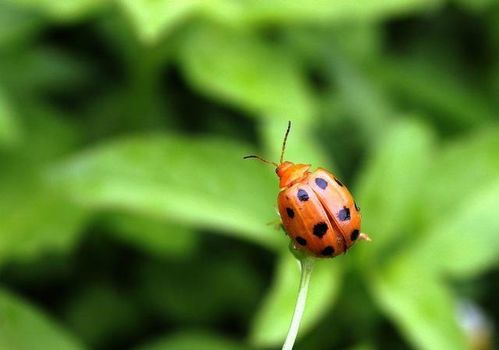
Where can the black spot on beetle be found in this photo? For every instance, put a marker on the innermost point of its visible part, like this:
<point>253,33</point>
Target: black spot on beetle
<point>327,251</point>
<point>290,212</point>
<point>302,195</point>
<point>354,235</point>
<point>321,183</point>
<point>356,206</point>
<point>320,229</point>
<point>301,240</point>
<point>344,214</point>
<point>338,182</point>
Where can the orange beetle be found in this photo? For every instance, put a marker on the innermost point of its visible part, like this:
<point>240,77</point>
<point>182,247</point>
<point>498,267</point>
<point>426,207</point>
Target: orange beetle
<point>317,211</point>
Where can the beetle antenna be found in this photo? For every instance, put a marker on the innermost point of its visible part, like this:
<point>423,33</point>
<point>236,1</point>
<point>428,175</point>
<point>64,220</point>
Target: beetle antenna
<point>261,159</point>
<point>284,141</point>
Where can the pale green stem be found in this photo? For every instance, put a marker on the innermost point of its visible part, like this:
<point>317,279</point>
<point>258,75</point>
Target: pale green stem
<point>306,266</point>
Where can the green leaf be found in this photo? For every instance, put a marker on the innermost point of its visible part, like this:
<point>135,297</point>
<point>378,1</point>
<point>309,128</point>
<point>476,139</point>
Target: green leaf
<point>199,182</point>
<point>272,320</point>
<point>465,193</point>
<point>35,218</point>
<point>337,9</point>
<point>153,19</point>
<point>16,25</point>
<point>464,242</point>
<point>315,11</point>
<point>463,168</point>
<point>419,305</point>
<point>157,237</point>
<point>454,99</point>
<point>62,10</point>
<point>43,70</point>
<point>9,129</point>
<point>236,67</point>
<point>389,190</point>
<point>22,327</point>
<point>193,340</point>
<point>361,98</point>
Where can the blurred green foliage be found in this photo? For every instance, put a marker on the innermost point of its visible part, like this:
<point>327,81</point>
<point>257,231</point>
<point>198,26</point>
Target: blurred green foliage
<point>128,219</point>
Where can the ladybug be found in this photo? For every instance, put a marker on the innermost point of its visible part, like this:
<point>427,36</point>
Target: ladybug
<point>317,211</point>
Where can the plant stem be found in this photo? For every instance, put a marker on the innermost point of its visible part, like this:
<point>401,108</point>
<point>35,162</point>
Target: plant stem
<point>306,265</point>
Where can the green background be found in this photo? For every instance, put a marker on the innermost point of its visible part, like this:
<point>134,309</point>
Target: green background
<point>128,219</point>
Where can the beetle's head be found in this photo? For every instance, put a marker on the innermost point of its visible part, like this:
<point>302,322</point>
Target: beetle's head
<point>290,173</point>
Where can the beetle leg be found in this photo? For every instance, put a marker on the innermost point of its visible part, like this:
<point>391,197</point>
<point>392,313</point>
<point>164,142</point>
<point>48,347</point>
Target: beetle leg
<point>365,237</point>
<point>277,224</point>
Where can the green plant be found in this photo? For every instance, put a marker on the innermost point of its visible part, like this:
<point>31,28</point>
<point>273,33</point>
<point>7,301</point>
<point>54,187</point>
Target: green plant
<point>122,126</point>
